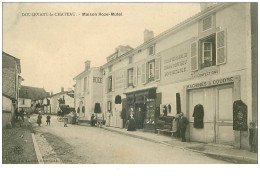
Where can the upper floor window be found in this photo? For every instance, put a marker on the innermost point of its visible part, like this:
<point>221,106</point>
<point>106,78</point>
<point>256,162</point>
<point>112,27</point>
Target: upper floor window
<point>130,77</point>
<point>209,51</point>
<point>208,47</point>
<point>151,50</point>
<point>110,83</point>
<point>23,102</point>
<point>151,70</point>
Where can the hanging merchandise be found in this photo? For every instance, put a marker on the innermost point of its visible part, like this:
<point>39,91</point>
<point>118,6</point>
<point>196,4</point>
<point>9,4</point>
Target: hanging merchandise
<point>169,108</point>
<point>239,116</point>
<point>97,108</point>
<point>198,115</point>
<point>165,110</point>
<point>118,99</point>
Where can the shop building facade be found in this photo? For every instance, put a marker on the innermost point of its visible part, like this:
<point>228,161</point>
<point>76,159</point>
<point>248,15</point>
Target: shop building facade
<point>205,61</point>
<point>88,91</point>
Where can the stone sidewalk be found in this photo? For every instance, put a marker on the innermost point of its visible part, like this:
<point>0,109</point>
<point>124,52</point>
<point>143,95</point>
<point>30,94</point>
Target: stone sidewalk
<point>222,152</point>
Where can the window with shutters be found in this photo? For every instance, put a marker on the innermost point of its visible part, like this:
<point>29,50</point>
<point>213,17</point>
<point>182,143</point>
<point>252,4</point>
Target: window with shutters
<point>207,23</point>
<point>208,51</point>
<point>130,77</point>
<point>151,50</point>
<point>109,82</point>
<point>151,71</point>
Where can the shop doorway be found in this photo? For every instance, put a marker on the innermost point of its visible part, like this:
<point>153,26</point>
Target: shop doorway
<point>140,112</point>
<point>217,104</point>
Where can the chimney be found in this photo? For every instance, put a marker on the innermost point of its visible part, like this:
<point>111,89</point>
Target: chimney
<point>148,35</point>
<point>51,93</point>
<point>87,64</point>
<point>122,49</point>
<point>62,89</point>
<point>204,6</point>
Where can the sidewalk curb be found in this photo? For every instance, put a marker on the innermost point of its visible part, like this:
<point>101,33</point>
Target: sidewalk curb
<point>37,150</point>
<point>224,157</point>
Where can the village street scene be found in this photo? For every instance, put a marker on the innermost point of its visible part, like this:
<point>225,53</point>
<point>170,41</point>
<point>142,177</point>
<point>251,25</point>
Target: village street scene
<point>97,84</point>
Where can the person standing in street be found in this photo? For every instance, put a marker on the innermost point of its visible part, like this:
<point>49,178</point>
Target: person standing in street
<point>48,120</point>
<point>182,125</point>
<point>39,119</point>
<point>131,118</point>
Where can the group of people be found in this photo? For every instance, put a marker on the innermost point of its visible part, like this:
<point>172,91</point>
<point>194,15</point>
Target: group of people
<point>39,119</point>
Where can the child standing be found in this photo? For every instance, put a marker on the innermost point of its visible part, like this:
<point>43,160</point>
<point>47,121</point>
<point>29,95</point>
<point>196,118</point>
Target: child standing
<point>48,120</point>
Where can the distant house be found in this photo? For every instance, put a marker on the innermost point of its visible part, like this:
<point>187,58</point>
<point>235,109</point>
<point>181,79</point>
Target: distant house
<point>31,98</point>
<point>10,86</point>
<point>68,96</point>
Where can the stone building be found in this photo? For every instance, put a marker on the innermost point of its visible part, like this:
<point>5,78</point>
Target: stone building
<point>11,82</point>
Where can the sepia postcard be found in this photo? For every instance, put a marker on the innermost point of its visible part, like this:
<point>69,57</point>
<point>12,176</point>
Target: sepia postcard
<point>130,83</point>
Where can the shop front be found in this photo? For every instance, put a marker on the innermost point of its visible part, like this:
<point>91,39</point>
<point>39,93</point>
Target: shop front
<point>210,110</point>
<point>144,105</point>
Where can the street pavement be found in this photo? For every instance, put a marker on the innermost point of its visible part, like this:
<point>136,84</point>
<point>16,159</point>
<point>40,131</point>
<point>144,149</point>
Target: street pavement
<point>85,144</point>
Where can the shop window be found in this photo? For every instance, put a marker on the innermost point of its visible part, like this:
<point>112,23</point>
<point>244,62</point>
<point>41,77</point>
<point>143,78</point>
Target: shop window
<point>151,50</point>
<point>151,70</point>
<point>110,83</point>
<point>208,51</point>
<point>130,77</point>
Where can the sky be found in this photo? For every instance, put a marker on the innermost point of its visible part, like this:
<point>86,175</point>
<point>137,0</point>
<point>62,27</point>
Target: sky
<point>53,49</point>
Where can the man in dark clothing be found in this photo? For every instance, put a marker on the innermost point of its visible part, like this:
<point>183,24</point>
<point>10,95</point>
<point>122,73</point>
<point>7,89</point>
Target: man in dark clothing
<point>182,124</point>
<point>48,120</point>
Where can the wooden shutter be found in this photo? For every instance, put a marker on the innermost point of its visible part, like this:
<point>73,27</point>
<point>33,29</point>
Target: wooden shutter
<point>113,81</point>
<point>144,73</point>
<point>125,79</point>
<point>106,84</point>
<point>157,68</point>
<point>194,56</point>
<point>221,47</point>
<point>135,75</point>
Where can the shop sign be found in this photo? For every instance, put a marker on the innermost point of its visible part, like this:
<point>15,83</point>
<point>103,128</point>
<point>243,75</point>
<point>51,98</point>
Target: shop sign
<point>205,73</point>
<point>175,63</point>
<point>211,83</point>
<point>97,79</point>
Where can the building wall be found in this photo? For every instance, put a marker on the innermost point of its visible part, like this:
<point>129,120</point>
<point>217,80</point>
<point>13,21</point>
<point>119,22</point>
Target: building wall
<point>7,111</point>
<point>27,103</point>
<point>9,76</point>
<point>92,94</point>
<point>174,54</point>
